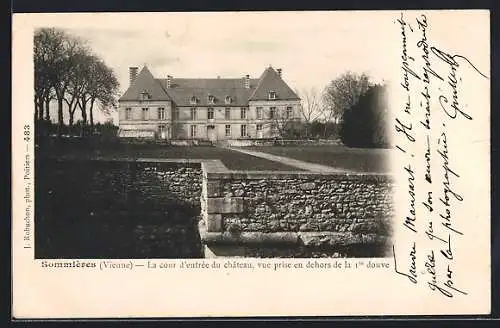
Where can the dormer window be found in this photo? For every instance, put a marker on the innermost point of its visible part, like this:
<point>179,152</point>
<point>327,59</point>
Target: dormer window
<point>211,99</point>
<point>193,100</point>
<point>228,100</point>
<point>272,95</point>
<point>145,95</point>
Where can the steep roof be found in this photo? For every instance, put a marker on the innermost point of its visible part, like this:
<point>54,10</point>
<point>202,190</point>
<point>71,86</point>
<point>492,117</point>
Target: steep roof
<point>181,91</point>
<point>271,81</point>
<point>145,82</point>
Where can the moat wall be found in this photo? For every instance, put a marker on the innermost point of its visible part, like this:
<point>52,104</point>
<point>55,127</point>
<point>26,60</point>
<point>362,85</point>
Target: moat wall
<point>314,214</point>
<point>167,208</point>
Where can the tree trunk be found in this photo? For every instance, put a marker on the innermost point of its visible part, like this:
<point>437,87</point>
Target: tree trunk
<point>37,108</point>
<point>84,117</point>
<point>60,117</point>
<point>71,119</point>
<point>91,112</point>
<point>47,109</point>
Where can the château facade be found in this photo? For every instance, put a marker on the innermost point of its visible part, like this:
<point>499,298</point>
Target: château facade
<point>213,109</point>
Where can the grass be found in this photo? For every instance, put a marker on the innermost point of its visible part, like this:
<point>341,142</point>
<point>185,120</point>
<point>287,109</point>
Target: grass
<point>232,160</point>
<point>352,159</point>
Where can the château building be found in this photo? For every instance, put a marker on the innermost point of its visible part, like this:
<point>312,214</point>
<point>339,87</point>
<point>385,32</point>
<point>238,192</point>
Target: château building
<point>206,108</point>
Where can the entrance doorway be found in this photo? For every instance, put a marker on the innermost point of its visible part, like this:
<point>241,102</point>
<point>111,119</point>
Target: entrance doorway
<point>162,132</point>
<point>211,133</point>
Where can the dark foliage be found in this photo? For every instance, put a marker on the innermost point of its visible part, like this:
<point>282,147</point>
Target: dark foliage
<point>102,131</point>
<point>364,124</point>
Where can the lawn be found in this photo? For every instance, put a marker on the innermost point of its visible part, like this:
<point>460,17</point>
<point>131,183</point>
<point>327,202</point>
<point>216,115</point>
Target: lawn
<point>338,156</point>
<point>232,160</point>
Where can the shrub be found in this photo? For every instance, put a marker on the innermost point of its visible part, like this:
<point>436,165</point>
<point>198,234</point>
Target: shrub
<point>364,124</point>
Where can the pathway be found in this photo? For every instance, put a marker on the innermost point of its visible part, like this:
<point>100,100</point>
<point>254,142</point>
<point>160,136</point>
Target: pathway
<point>289,161</point>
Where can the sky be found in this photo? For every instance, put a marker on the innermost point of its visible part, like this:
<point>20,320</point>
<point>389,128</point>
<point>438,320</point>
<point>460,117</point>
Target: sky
<point>311,48</point>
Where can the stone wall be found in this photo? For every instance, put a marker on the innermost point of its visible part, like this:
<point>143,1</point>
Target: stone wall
<point>144,131</point>
<point>276,142</point>
<point>335,211</point>
<point>167,181</point>
<point>178,208</point>
<point>117,208</point>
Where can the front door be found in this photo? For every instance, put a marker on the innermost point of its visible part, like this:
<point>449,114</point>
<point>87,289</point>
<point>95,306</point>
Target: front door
<point>162,132</point>
<point>211,133</point>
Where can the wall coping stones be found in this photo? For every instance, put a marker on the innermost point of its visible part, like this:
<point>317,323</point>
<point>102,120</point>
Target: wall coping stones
<point>283,175</point>
<point>246,238</point>
<point>213,167</point>
<point>308,239</point>
<point>336,239</point>
<point>131,159</point>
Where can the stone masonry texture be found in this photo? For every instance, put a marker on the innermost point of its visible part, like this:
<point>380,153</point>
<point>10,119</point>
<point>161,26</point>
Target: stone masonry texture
<point>117,209</point>
<point>152,209</point>
<point>355,205</point>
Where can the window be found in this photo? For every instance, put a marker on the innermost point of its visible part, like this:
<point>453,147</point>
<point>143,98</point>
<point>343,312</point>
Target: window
<point>243,113</point>
<point>193,113</point>
<point>210,114</point>
<point>128,113</point>
<point>145,95</point>
<point>175,115</point>
<point>161,129</point>
<point>259,113</point>
<point>243,130</point>
<point>144,114</point>
<point>227,113</point>
<point>193,131</point>
<point>161,113</point>
<point>228,100</point>
<point>272,112</point>
<point>211,99</point>
<point>259,127</point>
<point>228,130</point>
<point>289,112</point>
<point>272,95</point>
<point>193,100</point>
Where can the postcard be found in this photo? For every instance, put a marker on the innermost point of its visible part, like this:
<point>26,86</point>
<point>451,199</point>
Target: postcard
<point>235,164</point>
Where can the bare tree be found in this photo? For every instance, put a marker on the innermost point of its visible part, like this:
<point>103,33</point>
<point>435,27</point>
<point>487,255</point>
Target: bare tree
<point>343,92</point>
<point>281,123</point>
<point>56,54</point>
<point>48,47</point>
<point>78,82</point>
<point>311,107</point>
<point>176,129</point>
<point>103,89</point>
<point>66,70</point>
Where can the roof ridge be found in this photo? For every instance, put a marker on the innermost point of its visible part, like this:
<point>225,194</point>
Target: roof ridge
<point>266,71</point>
<point>206,78</point>
<point>161,85</point>
<point>145,80</point>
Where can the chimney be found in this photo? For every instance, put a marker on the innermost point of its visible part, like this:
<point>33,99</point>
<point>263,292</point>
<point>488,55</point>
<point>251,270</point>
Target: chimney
<point>169,81</point>
<point>247,81</point>
<point>133,73</point>
<point>279,72</point>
